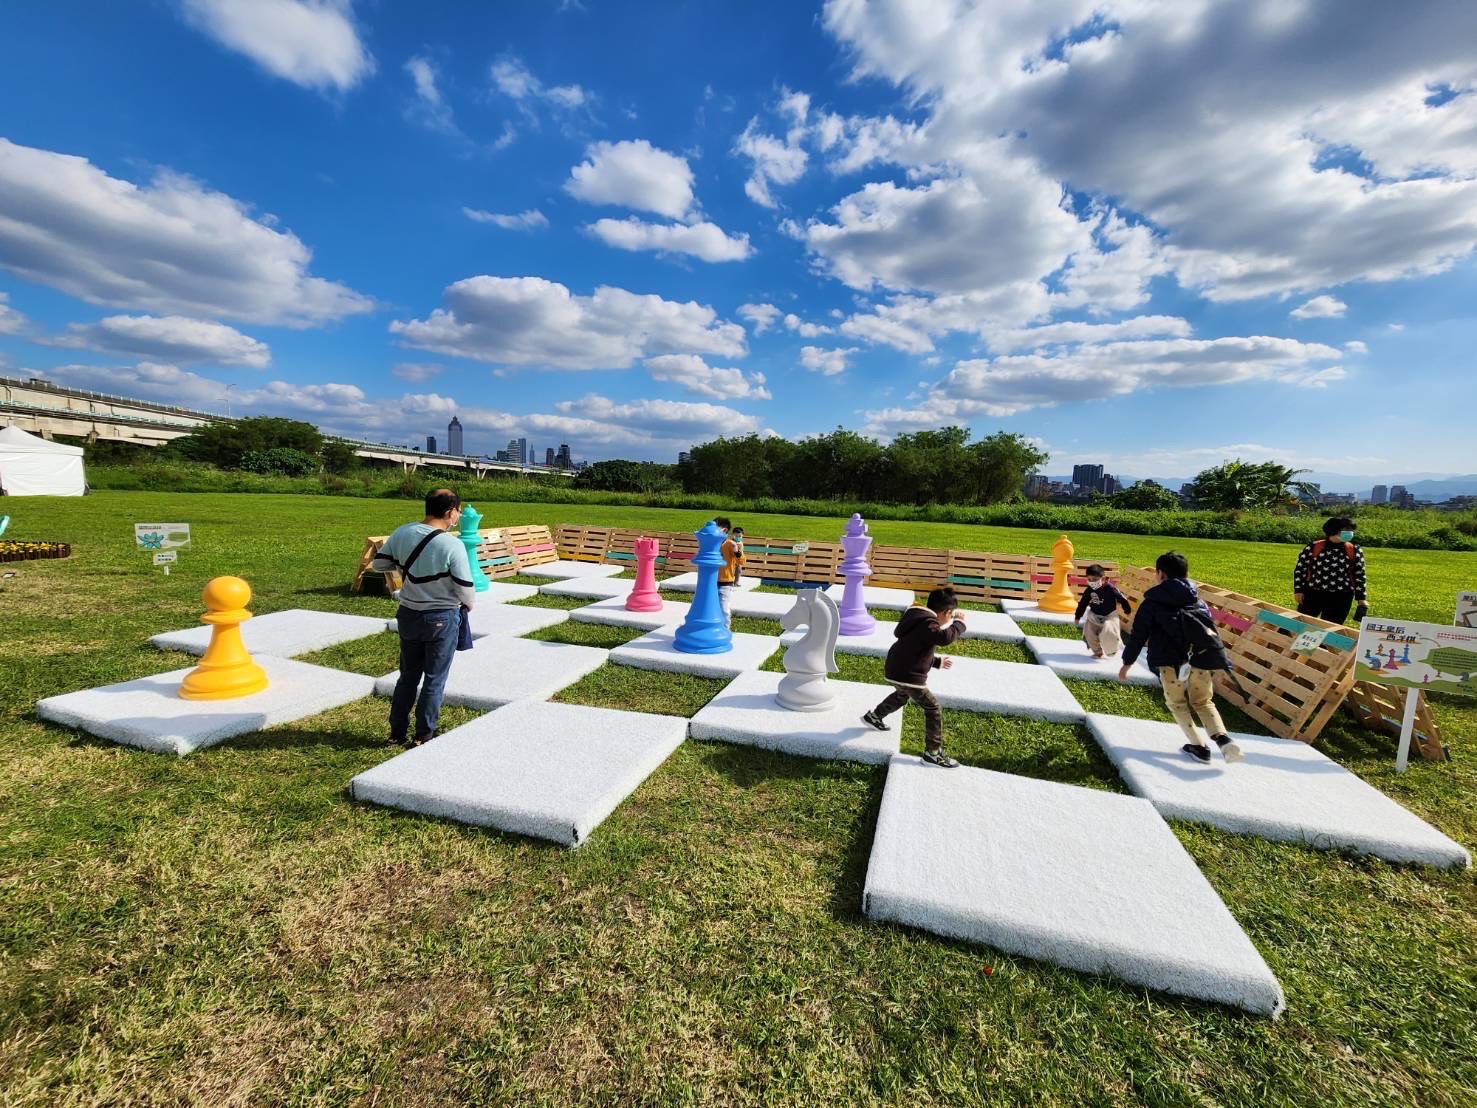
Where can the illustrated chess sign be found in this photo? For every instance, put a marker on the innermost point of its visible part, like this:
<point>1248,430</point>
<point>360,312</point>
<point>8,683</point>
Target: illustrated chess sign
<point>1466,609</point>
<point>162,536</point>
<point>1418,655</point>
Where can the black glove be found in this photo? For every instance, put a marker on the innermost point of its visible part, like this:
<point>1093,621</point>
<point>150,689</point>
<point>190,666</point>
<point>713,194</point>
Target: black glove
<point>1361,610</point>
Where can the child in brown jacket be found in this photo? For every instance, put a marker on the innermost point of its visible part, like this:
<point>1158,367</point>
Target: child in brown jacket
<point>920,632</point>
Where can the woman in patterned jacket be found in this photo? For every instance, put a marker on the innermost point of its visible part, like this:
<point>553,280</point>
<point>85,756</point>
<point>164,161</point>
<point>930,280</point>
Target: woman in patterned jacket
<point>1329,576</point>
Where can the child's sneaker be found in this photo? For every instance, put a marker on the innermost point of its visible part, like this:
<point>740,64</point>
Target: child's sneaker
<point>1199,753</point>
<point>939,758</point>
<point>872,719</point>
<point>1229,750</point>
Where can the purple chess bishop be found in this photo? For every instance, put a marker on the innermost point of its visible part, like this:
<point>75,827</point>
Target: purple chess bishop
<point>855,619</point>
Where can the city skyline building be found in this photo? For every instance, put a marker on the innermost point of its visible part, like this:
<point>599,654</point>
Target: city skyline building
<point>430,444</point>
<point>1088,476</point>
<point>549,456</point>
<point>1380,494</point>
<point>454,436</point>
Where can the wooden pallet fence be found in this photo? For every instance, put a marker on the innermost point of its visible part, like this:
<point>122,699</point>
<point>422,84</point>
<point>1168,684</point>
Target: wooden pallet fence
<point>775,559</point>
<point>1382,708</point>
<point>532,545</point>
<point>495,555</point>
<point>975,574</point>
<point>372,546</point>
<point>1291,694</point>
<point>581,544</point>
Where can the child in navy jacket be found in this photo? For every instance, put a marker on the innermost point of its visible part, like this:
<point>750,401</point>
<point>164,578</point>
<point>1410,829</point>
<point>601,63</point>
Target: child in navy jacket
<point>1101,601</point>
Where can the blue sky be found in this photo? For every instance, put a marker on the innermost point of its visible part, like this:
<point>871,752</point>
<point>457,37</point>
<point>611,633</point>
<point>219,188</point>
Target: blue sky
<point>1150,235</point>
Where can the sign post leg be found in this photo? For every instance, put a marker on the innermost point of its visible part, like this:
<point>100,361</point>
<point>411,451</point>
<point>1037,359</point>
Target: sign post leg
<point>1407,728</point>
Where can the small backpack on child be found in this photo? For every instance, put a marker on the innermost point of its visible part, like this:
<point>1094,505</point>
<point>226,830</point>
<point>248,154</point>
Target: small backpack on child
<point>1203,643</point>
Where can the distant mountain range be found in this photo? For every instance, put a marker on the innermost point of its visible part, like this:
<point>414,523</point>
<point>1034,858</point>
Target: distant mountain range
<point>1434,487</point>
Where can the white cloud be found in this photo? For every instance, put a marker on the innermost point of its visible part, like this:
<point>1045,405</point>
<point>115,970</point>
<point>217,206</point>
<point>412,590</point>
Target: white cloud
<point>531,220</point>
<point>514,79</point>
<point>506,139</point>
<point>173,339</point>
<point>596,418</point>
<point>417,372</point>
<point>1396,326</point>
<point>806,330</point>
<point>529,321</point>
<point>696,375</point>
<point>775,161</point>
<point>1264,169</point>
<point>430,107</point>
<point>1007,385</point>
<point>1112,273</point>
<point>762,316</point>
<point>313,43</point>
<point>910,323</point>
<point>951,235</point>
<point>171,246</point>
<point>828,363</point>
<point>11,321</point>
<point>1320,307</point>
<point>633,175</point>
<point>1059,334</point>
<point>1354,346</point>
<point>702,240</point>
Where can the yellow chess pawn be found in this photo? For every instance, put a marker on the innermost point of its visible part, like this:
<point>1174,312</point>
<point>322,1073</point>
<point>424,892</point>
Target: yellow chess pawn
<point>1059,597</point>
<point>227,670</point>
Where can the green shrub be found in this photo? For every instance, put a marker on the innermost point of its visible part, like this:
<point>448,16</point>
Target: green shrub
<point>283,460</point>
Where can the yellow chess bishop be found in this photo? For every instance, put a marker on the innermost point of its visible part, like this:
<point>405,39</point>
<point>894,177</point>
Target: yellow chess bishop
<point>1059,597</point>
<point>226,670</point>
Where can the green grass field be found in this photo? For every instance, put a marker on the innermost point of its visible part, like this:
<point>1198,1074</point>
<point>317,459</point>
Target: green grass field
<point>228,928</point>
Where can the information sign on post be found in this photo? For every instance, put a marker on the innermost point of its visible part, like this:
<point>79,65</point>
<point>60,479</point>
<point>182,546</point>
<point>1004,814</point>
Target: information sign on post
<point>1418,656</point>
<point>162,536</point>
<point>166,558</point>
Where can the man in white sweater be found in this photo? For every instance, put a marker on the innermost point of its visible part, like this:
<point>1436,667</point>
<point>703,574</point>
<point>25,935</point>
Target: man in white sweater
<point>438,584</point>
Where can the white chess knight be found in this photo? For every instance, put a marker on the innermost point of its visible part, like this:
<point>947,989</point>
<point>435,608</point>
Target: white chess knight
<point>808,660</point>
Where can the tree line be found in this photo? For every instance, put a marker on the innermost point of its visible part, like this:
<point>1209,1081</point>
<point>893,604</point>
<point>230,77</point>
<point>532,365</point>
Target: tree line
<point>924,467</point>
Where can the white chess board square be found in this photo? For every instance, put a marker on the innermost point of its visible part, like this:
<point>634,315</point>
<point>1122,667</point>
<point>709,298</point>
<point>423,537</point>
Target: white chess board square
<point>1080,878</point>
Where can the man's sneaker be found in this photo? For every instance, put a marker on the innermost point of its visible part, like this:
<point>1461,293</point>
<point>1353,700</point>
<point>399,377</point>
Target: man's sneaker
<point>939,758</point>
<point>421,740</point>
<point>1196,751</point>
<point>396,740</point>
<point>872,719</point>
<point>1229,750</point>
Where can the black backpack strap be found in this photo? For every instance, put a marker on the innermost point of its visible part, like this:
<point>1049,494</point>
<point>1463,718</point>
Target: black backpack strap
<point>416,553</point>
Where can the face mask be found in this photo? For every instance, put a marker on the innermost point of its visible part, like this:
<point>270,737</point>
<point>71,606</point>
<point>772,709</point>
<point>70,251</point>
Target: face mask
<point>1347,536</point>
<point>1091,584</point>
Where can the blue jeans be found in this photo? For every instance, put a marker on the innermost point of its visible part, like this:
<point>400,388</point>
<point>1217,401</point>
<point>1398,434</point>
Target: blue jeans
<point>427,645</point>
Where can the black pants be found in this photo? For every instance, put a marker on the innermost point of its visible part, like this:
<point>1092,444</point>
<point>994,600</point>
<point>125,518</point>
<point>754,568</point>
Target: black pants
<point>1332,606</point>
<point>933,714</point>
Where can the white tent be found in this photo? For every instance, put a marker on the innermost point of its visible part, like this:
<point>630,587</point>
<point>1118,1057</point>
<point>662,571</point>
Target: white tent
<point>32,466</point>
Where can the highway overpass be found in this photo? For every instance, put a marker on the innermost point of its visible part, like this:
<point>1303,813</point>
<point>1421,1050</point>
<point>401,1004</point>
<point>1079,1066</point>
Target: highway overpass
<point>48,410</point>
